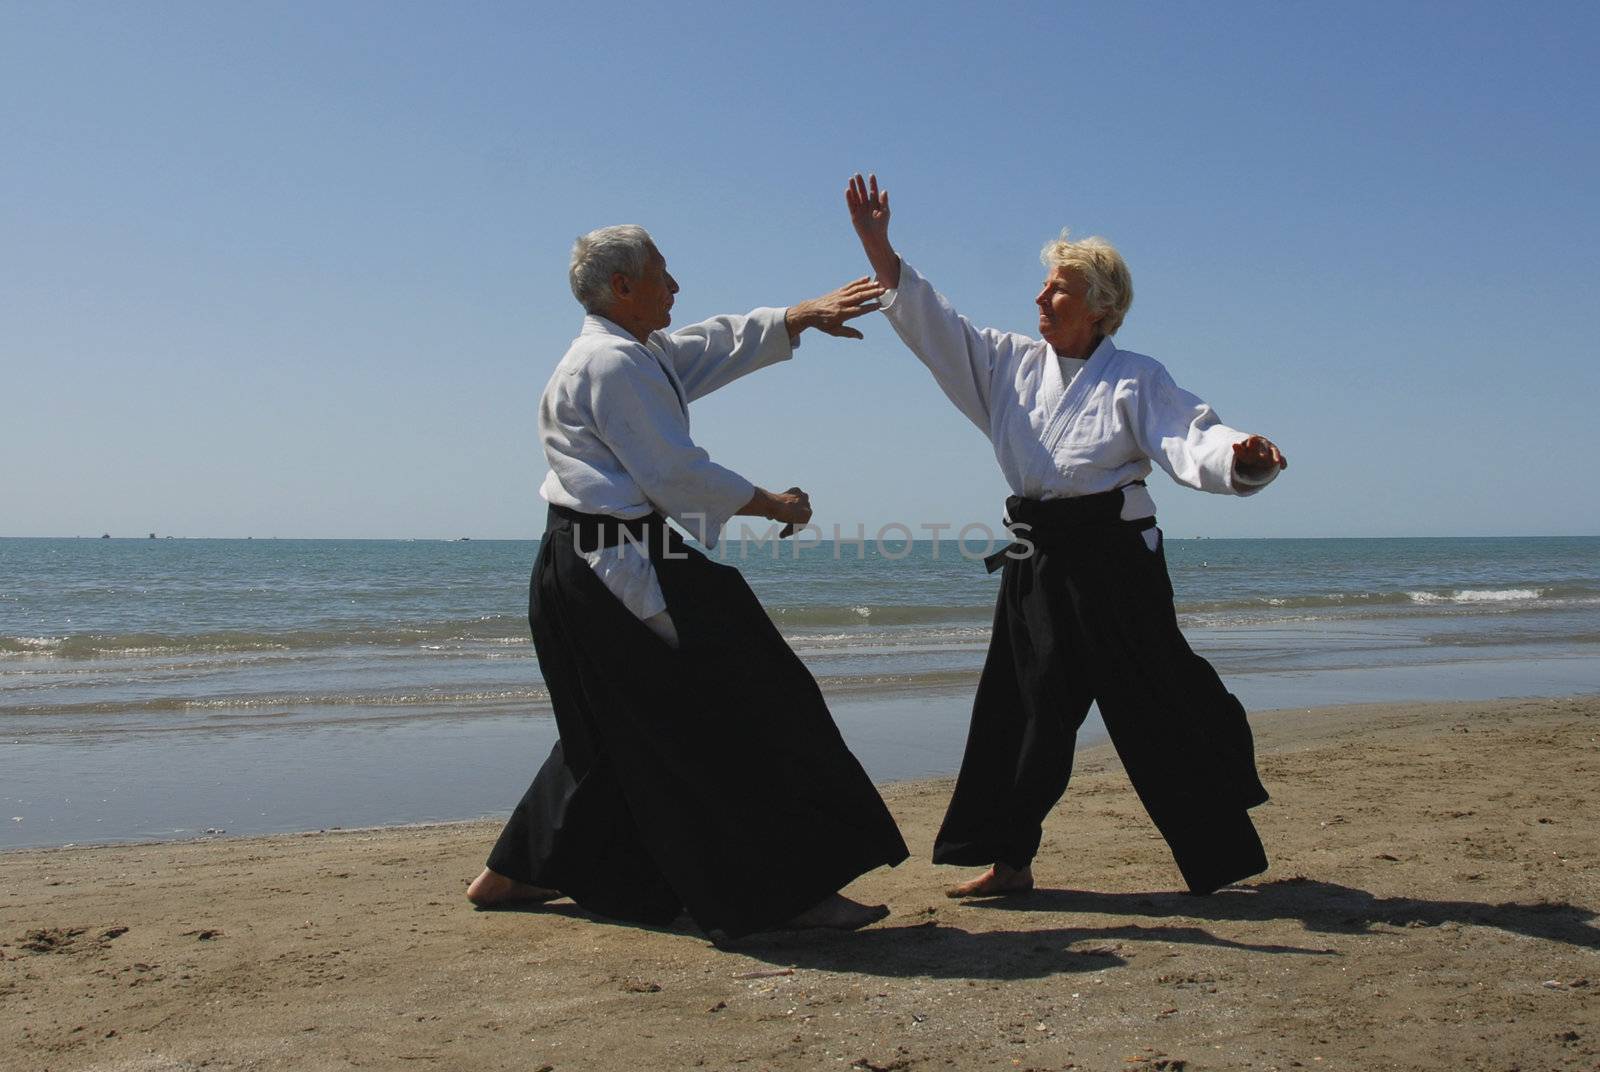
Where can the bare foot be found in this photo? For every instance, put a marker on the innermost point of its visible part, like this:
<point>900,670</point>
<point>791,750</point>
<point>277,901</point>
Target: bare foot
<point>491,888</point>
<point>839,913</point>
<point>999,879</point>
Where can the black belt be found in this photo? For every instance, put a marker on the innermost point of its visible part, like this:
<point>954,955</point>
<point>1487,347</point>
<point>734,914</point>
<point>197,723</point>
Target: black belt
<point>591,532</point>
<point>1055,519</point>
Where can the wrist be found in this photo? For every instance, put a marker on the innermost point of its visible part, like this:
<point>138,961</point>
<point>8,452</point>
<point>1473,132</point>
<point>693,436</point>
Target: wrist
<point>798,317</point>
<point>766,504</point>
<point>884,260</point>
<point>760,504</point>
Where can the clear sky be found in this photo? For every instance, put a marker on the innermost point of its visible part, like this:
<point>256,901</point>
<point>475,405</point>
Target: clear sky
<point>300,269</point>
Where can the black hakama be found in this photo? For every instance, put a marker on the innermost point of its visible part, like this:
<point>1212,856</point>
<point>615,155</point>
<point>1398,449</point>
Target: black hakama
<point>708,778</point>
<point>1088,616</point>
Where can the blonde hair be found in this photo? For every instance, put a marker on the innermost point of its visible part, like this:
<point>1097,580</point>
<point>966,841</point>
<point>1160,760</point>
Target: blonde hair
<point>1102,267</point>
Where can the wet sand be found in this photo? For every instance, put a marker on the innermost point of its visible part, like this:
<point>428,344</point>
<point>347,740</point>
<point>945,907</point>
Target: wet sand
<point>1431,904</point>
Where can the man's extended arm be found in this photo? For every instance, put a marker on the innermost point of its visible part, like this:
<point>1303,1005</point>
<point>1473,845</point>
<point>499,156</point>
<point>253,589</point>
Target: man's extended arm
<point>715,352</point>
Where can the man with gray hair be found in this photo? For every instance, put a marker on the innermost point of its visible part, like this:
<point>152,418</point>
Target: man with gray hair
<point>698,768</point>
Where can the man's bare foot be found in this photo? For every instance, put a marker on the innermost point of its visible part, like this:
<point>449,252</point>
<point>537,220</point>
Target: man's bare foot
<point>999,879</point>
<point>839,913</point>
<point>491,888</point>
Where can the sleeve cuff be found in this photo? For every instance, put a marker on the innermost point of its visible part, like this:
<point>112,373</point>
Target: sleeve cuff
<point>909,277</point>
<point>707,523</point>
<point>775,326</point>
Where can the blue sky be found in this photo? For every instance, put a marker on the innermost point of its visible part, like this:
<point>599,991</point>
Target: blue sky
<point>299,270</point>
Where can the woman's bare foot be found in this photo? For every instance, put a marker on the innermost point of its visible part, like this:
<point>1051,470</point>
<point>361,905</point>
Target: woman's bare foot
<point>491,888</point>
<point>839,913</point>
<point>999,879</point>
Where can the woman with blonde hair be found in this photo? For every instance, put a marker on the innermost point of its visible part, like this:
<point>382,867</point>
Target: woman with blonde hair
<point>1085,611</point>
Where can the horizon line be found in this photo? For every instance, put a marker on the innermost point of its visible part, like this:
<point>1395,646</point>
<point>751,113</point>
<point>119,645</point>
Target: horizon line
<point>896,539</point>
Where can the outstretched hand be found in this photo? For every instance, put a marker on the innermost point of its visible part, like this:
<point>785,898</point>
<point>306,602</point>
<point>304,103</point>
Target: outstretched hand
<point>869,214</point>
<point>869,209</point>
<point>1257,456</point>
<point>828,313</point>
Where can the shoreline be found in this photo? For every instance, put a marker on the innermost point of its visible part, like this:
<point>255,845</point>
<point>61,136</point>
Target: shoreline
<point>1265,723</point>
<point>1432,903</point>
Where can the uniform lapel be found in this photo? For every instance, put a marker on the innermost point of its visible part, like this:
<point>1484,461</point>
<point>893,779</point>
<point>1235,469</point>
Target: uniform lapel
<point>594,324</point>
<point>672,377</point>
<point>1072,398</point>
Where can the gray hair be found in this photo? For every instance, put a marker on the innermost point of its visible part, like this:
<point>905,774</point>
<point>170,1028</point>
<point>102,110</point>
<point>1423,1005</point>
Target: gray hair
<point>1102,267</point>
<point>599,255</point>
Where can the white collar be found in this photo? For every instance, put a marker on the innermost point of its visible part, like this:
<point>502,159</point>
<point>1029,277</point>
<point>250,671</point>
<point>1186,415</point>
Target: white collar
<point>1104,349</point>
<point>595,324</point>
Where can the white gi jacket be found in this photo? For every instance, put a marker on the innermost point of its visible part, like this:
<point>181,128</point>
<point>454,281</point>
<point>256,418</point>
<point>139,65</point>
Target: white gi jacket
<point>1063,427</point>
<point>614,423</point>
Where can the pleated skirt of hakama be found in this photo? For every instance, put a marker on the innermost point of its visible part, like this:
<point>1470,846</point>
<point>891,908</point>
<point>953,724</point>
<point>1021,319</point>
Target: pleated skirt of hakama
<point>709,778</point>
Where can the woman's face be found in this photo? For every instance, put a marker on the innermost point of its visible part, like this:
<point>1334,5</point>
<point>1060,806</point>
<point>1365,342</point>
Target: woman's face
<point>1065,319</point>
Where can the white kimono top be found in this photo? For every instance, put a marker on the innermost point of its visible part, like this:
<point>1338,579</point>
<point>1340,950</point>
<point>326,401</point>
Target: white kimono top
<point>1064,427</point>
<point>614,423</point>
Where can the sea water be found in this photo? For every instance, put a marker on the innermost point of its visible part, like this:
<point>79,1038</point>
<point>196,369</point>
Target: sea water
<point>155,688</point>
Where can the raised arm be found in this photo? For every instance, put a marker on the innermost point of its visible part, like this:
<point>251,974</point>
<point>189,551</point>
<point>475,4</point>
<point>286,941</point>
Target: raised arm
<point>869,215</point>
<point>965,360</point>
<point>1184,436</point>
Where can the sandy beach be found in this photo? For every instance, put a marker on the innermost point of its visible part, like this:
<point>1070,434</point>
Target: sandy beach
<point>1431,904</point>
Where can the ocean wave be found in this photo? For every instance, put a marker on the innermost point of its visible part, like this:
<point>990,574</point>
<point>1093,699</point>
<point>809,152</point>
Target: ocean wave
<point>1548,595</point>
<point>481,638</point>
<point>1469,595</point>
<point>1308,601</point>
<point>912,679</point>
<point>814,625</point>
<point>856,614</point>
<point>285,702</point>
<point>495,630</point>
<point>32,643</point>
<point>913,639</point>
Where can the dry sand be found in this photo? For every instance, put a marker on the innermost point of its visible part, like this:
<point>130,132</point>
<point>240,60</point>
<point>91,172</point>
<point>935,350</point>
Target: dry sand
<point>1431,905</point>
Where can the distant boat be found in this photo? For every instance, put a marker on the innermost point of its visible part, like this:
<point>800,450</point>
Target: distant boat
<point>105,535</point>
<point>463,539</point>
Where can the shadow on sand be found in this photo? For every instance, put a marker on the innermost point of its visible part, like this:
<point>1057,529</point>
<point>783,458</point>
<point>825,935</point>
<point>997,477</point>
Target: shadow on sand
<point>1324,908</point>
<point>940,950</point>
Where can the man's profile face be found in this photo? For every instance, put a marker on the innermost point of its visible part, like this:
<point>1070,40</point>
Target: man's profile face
<point>653,291</point>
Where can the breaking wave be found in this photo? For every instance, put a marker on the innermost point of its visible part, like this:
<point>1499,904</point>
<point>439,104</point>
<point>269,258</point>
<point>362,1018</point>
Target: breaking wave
<point>1492,595</point>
